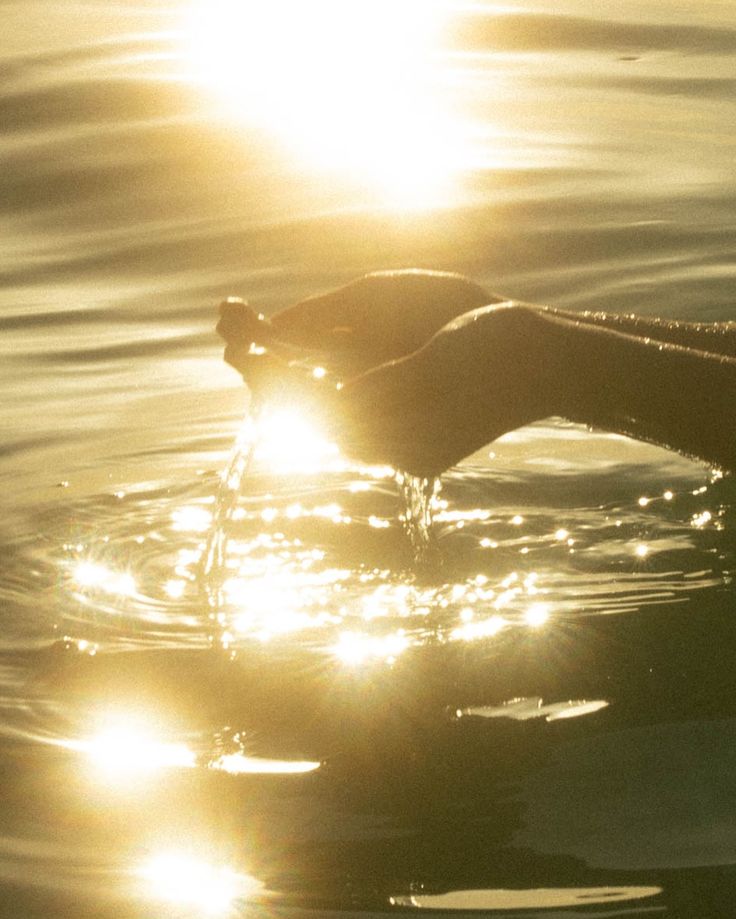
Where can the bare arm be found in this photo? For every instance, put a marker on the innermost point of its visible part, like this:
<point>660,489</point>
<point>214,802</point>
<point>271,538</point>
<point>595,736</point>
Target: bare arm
<point>436,375</point>
<point>713,337</point>
<point>679,397</point>
<point>498,368</point>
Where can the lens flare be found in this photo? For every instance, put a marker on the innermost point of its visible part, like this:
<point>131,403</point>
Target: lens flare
<point>188,881</point>
<point>290,442</point>
<point>90,575</point>
<point>537,614</point>
<point>355,648</point>
<point>125,751</point>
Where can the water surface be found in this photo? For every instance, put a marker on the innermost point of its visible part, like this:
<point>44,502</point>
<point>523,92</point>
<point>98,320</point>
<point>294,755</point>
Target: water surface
<point>540,718</point>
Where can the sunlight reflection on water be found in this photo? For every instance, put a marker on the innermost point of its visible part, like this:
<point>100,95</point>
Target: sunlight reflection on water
<point>311,556</point>
<point>560,898</point>
<point>387,125</point>
<point>184,879</point>
<point>122,753</point>
<point>127,752</point>
<point>581,596</point>
<point>240,764</point>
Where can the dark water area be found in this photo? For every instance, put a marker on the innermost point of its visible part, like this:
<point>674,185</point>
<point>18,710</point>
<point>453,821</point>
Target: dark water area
<point>539,718</point>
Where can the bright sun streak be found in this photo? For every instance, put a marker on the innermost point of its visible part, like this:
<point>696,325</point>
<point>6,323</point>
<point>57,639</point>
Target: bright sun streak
<point>290,442</point>
<point>182,879</point>
<point>348,85</point>
<point>125,751</point>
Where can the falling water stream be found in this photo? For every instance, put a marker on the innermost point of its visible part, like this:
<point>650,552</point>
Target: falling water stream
<point>212,564</point>
<point>262,680</point>
<point>416,495</point>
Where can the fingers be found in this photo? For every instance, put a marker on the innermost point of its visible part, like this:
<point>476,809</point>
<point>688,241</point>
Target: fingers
<point>322,321</point>
<point>381,316</point>
<point>245,332</point>
<point>242,359</point>
<point>272,370</point>
<point>240,324</point>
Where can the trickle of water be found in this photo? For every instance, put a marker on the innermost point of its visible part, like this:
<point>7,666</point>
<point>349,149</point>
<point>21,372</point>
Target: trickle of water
<point>212,564</point>
<point>418,496</point>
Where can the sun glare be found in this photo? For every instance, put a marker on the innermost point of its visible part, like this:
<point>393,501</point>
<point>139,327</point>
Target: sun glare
<point>240,764</point>
<point>93,576</point>
<point>289,442</point>
<point>182,879</point>
<point>355,649</point>
<point>350,86</point>
<point>125,750</point>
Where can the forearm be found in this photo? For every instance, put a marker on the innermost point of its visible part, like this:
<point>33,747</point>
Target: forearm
<point>677,397</point>
<point>713,337</point>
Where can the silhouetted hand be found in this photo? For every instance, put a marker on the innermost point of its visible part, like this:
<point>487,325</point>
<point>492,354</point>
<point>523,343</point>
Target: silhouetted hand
<point>485,374</point>
<point>424,388</point>
<point>420,393</point>
<point>374,319</point>
<point>268,365</point>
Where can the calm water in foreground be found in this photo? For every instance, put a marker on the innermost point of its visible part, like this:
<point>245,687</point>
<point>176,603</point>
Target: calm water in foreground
<point>538,719</point>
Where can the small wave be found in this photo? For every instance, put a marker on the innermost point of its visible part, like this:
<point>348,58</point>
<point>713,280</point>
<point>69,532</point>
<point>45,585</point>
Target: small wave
<point>559,33</point>
<point>135,348</point>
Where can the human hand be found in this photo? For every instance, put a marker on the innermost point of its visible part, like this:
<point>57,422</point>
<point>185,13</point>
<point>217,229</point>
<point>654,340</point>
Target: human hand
<point>252,348</point>
<point>376,318</point>
<point>422,391</point>
<point>487,373</point>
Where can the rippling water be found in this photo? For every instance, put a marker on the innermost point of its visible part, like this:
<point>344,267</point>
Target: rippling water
<point>537,717</point>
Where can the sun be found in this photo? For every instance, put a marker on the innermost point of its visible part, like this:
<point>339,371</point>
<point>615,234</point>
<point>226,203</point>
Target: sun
<point>351,86</point>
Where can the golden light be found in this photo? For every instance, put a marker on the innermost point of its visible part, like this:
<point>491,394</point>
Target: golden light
<point>355,648</point>
<point>537,615</point>
<point>262,597</point>
<point>126,750</point>
<point>93,576</point>
<point>700,520</point>
<point>533,898</point>
<point>289,442</point>
<point>89,574</point>
<point>347,85</point>
<point>278,600</point>
<point>270,606</point>
<point>175,588</point>
<point>388,600</point>
<point>576,709</point>
<point>86,647</point>
<point>378,523</point>
<point>483,628</point>
<point>193,519</point>
<point>188,881</point>
<point>526,709</point>
<point>241,764</point>
<point>506,597</point>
